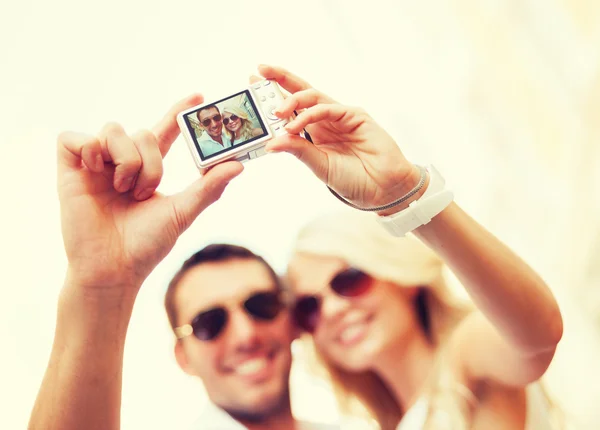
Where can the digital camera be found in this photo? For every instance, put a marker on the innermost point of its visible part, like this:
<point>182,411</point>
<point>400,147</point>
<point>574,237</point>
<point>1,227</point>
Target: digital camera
<point>235,127</point>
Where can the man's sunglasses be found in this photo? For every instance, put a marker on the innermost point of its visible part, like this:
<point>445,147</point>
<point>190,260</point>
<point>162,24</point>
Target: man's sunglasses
<point>348,283</point>
<point>231,118</point>
<point>216,118</point>
<point>207,325</point>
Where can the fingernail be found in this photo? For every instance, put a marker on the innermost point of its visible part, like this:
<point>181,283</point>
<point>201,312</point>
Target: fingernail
<point>126,184</point>
<point>99,163</point>
<point>144,194</point>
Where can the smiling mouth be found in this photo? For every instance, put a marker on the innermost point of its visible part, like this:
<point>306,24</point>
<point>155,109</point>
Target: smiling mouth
<point>354,333</point>
<point>252,367</point>
<point>256,369</point>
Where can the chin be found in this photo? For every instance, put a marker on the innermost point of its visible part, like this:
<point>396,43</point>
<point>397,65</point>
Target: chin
<point>360,358</point>
<point>264,404</point>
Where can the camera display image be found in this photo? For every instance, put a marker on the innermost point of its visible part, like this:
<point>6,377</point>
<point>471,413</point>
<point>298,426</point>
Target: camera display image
<point>226,124</point>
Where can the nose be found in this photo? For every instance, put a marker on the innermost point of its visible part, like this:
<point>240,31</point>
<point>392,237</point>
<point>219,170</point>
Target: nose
<point>333,306</point>
<point>242,330</point>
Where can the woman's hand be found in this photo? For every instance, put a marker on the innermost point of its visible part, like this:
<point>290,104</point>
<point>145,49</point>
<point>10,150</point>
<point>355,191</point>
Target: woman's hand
<point>351,153</point>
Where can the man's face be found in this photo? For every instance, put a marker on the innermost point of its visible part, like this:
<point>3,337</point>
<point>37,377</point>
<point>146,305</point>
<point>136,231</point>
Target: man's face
<point>246,367</point>
<point>210,117</point>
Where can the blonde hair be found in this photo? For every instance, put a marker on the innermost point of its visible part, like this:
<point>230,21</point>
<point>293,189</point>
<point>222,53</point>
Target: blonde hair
<point>246,129</point>
<point>359,240</point>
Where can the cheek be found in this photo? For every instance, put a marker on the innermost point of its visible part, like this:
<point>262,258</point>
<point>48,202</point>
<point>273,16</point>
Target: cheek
<point>205,359</point>
<point>394,316</point>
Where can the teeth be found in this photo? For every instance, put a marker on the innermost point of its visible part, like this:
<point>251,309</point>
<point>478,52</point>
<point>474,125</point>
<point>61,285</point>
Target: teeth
<point>251,366</point>
<point>351,332</point>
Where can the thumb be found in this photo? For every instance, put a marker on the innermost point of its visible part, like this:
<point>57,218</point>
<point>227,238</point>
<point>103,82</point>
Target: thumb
<point>190,203</point>
<point>303,150</point>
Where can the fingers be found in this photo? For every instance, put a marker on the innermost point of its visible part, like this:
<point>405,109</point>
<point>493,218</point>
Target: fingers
<point>345,119</point>
<point>167,130</point>
<point>197,197</point>
<point>150,174</point>
<point>287,80</point>
<point>75,148</point>
<point>119,149</point>
<point>301,100</point>
<point>309,154</point>
<point>254,79</point>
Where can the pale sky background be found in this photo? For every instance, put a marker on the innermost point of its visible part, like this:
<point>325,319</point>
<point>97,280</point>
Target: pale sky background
<point>502,95</point>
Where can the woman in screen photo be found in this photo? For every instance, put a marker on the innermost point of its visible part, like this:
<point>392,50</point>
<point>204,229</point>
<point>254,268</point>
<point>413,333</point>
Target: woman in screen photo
<point>238,125</point>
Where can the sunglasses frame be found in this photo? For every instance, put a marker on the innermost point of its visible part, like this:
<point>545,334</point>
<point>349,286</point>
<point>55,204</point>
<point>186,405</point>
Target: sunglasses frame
<point>211,119</point>
<point>318,297</point>
<point>186,330</point>
<point>230,118</point>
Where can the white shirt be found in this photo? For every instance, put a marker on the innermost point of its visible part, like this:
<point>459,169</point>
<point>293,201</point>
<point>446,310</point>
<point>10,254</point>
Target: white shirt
<point>209,146</point>
<point>537,412</point>
<point>215,418</point>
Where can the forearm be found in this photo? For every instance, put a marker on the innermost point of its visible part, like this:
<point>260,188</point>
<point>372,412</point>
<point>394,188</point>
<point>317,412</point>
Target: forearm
<point>508,292</point>
<point>82,385</point>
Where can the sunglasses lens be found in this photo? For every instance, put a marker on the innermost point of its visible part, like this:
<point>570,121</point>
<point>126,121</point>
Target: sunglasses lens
<point>234,117</point>
<point>264,306</point>
<point>225,121</point>
<point>207,121</point>
<point>351,283</point>
<point>306,313</point>
<point>209,324</point>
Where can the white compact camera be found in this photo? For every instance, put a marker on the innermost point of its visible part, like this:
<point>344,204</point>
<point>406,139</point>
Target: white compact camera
<point>235,127</point>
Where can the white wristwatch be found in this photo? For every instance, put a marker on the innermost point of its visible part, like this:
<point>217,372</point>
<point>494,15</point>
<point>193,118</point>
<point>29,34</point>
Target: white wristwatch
<point>433,201</point>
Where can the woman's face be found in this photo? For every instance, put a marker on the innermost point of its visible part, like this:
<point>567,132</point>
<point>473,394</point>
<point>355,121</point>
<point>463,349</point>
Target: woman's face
<point>352,332</point>
<point>232,122</point>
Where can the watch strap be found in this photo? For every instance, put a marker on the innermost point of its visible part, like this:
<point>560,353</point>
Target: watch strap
<point>420,212</point>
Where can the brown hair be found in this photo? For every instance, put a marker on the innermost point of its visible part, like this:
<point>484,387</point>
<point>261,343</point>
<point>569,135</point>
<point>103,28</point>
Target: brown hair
<point>211,253</point>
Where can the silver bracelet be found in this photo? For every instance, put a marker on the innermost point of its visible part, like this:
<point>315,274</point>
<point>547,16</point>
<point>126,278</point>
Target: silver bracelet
<point>402,199</point>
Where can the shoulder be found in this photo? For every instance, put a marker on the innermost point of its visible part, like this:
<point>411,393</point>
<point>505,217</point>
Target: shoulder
<point>256,131</point>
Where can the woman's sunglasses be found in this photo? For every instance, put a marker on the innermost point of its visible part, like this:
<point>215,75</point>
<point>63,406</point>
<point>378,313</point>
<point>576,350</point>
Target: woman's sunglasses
<point>216,118</point>
<point>231,118</point>
<point>348,283</point>
<point>209,324</point>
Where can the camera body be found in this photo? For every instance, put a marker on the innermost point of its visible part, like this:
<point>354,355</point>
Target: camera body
<point>235,127</point>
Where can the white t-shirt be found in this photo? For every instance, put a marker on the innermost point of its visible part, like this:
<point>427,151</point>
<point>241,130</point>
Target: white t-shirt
<point>209,146</point>
<point>214,418</point>
<point>537,412</point>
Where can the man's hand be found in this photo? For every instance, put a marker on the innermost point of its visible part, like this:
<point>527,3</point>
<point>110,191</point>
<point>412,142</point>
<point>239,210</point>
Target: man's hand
<point>116,228</point>
<point>351,152</point>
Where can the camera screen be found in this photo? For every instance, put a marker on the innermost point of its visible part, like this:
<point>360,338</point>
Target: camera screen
<point>224,125</point>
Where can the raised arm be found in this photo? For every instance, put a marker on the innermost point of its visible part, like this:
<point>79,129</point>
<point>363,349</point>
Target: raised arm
<point>116,229</point>
<point>514,337</point>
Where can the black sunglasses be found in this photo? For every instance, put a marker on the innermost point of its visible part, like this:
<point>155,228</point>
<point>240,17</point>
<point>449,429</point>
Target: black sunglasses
<point>207,325</point>
<point>216,118</point>
<point>348,283</point>
<point>232,118</point>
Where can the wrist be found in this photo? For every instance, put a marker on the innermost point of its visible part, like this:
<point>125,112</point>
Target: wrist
<point>434,200</point>
<point>101,290</point>
<point>406,184</point>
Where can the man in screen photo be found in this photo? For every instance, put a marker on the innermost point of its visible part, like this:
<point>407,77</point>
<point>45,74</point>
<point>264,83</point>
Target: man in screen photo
<point>214,138</point>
